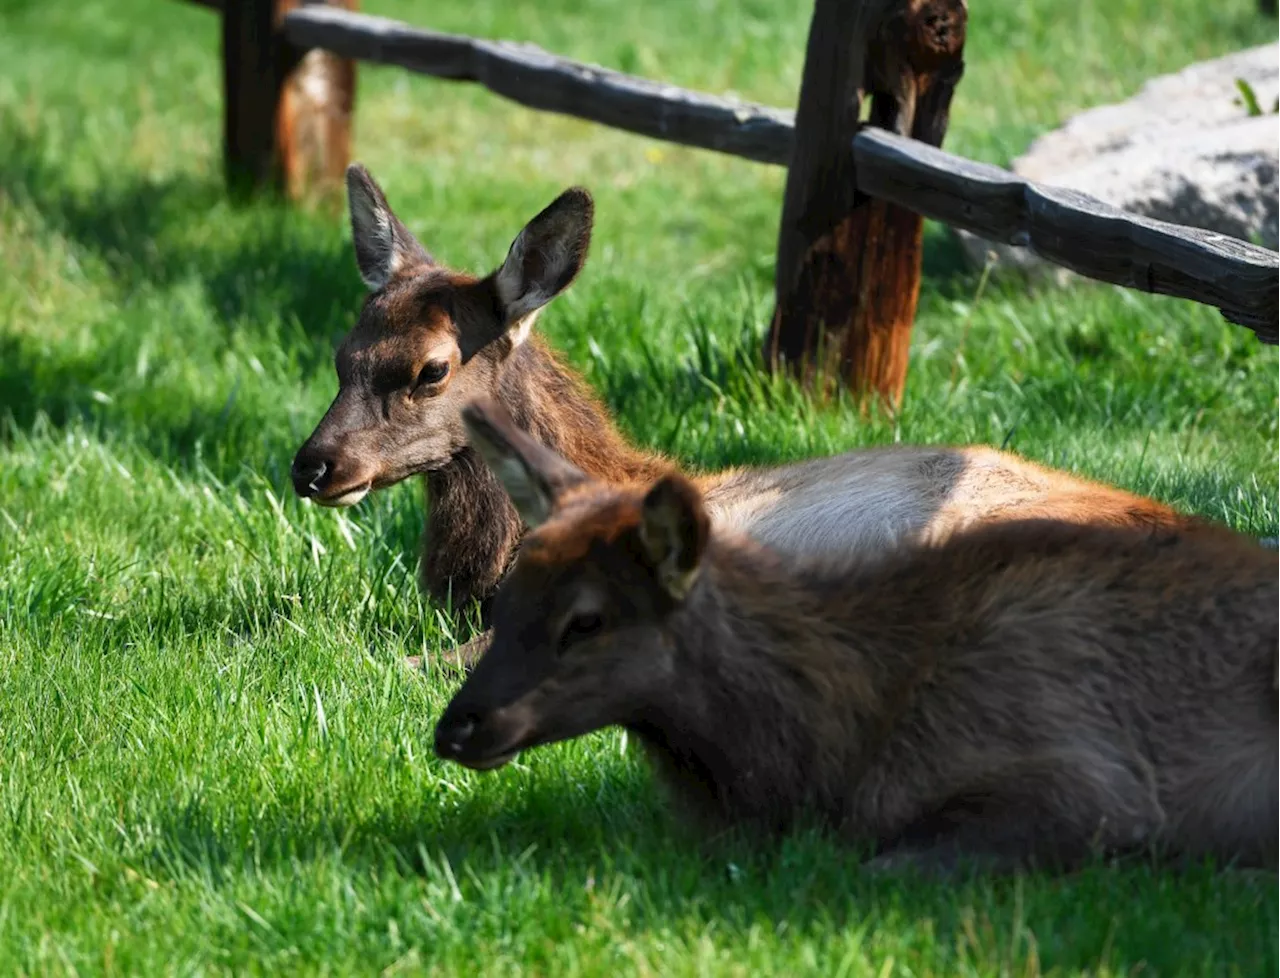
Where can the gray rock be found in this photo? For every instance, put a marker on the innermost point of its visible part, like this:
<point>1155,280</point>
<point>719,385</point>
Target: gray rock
<point>1184,149</point>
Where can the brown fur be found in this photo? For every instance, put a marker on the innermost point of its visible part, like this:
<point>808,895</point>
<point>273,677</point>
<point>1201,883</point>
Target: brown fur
<point>1019,693</point>
<point>472,530</point>
<point>385,425</point>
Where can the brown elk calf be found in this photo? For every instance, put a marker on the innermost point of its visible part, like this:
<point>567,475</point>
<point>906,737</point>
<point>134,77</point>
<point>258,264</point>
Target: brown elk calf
<point>1019,693</point>
<point>430,339</point>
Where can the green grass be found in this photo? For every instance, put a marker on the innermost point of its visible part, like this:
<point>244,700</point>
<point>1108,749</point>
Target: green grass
<point>213,760</point>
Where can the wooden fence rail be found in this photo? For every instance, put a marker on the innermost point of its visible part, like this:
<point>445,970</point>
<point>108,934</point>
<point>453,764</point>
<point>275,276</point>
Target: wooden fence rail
<point>905,55</point>
<point>1074,230</point>
<point>527,74</point>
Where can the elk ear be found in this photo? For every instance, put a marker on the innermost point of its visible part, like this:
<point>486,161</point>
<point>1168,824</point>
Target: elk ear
<point>384,246</point>
<point>544,258</point>
<point>533,475</point>
<point>674,528</point>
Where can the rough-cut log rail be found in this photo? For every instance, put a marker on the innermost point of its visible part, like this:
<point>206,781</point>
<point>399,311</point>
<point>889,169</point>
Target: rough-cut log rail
<point>1075,230</point>
<point>533,77</point>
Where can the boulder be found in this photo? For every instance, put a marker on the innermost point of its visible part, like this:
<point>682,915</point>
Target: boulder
<point>1184,150</point>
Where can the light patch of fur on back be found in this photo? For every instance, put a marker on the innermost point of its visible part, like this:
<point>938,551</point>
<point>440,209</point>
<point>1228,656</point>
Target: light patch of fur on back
<point>992,485</point>
<point>861,500</point>
<point>876,498</point>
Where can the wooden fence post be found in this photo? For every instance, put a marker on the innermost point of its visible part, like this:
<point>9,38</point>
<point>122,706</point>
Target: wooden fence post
<point>848,273</point>
<point>287,113</point>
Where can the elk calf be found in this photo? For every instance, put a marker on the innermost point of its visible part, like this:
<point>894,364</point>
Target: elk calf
<point>429,340</point>
<point>1022,693</point>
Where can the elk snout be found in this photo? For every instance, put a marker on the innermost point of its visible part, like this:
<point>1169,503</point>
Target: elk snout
<point>330,477</point>
<point>312,471</point>
<point>480,742</point>
<point>452,734</point>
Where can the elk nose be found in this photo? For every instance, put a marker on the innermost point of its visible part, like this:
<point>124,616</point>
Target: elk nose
<point>452,735</point>
<point>310,474</point>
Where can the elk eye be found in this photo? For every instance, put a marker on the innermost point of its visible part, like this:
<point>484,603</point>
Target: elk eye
<point>434,372</point>
<point>580,627</point>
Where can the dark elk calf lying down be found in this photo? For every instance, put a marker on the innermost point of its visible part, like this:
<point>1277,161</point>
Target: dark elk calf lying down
<point>1024,693</point>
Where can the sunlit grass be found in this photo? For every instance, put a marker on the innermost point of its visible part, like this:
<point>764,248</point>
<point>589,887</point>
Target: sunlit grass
<point>213,759</point>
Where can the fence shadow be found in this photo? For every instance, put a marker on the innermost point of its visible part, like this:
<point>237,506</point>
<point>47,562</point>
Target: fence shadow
<point>253,265</point>
<point>155,232</point>
<point>945,268</point>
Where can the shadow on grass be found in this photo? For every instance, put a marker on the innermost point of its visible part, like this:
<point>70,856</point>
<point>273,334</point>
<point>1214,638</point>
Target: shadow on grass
<point>253,262</point>
<point>257,267</point>
<point>945,268</point>
<point>558,829</point>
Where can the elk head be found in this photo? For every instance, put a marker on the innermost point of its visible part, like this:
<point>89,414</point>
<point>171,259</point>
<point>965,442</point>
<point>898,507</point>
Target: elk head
<point>582,626</point>
<point>428,341</point>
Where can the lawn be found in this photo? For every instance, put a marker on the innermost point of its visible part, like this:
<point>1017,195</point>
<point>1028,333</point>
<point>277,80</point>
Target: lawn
<point>213,760</point>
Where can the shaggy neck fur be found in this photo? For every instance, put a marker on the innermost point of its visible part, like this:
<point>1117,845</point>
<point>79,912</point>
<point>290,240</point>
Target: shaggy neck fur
<point>472,529</point>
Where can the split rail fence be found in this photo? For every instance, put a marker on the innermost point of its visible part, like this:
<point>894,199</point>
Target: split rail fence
<point>861,179</point>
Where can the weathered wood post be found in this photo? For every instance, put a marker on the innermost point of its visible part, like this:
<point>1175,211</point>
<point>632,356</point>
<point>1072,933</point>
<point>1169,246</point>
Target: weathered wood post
<point>287,112</point>
<point>848,273</point>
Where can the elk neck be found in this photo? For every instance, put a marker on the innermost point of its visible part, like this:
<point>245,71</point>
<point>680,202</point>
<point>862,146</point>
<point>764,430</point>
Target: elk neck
<point>472,529</point>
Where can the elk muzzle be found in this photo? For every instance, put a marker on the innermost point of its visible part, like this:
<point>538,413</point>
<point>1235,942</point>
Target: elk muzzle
<point>328,478</point>
<point>330,467</point>
<point>483,741</point>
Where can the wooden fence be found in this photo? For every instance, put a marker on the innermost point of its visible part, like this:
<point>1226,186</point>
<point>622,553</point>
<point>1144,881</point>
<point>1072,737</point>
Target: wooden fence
<point>849,244</point>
